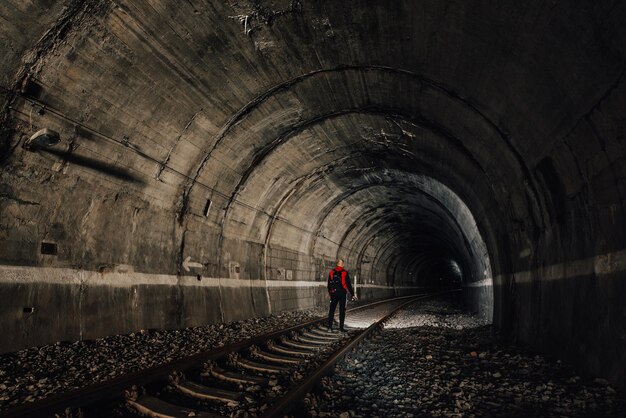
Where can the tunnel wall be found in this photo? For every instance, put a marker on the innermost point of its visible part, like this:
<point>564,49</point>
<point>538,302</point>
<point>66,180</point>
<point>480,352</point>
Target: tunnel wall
<point>71,304</point>
<point>74,304</point>
<point>479,298</point>
<point>574,311</point>
<point>117,267</point>
<point>565,295</point>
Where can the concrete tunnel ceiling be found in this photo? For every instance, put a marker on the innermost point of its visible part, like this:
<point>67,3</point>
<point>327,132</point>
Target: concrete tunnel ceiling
<point>263,139</point>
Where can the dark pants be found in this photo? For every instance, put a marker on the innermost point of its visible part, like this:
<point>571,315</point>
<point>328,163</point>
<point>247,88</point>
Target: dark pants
<point>337,298</point>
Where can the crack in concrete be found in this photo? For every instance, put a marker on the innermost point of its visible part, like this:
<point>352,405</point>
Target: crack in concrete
<point>9,196</point>
<point>180,253</point>
<point>169,154</point>
<point>221,307</point>
<point>586,116</point>
<point>81,296</point>
<point>576,162</point>
<point>602,142</point>
<point>264,16</point>
<point>134,220</point>
<point>179,301</point>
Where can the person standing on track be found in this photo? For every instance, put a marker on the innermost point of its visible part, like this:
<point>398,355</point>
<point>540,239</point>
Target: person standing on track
<point>338,287</point>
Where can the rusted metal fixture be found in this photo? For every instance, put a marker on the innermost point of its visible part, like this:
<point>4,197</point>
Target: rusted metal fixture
<point>42,139</point>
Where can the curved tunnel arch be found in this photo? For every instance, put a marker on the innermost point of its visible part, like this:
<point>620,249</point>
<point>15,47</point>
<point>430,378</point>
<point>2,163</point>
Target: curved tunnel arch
<point>185,140</point>
<point>323,170</point>
<point>289,133</point>
<point>244,178</point>
<point>397,210</point>
<point>382,223</point>
<point>243,112</point>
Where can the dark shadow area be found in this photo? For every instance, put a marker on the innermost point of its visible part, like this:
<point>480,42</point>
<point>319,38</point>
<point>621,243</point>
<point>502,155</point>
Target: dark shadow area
<point>433,359</point>
<point>101,167</point>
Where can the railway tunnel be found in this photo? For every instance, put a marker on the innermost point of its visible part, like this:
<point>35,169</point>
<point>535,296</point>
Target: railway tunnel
<point>172,164</point>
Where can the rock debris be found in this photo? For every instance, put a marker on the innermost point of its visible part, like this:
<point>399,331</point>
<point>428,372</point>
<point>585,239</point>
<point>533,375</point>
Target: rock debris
<point>434,360</point>
<point>39,372</point>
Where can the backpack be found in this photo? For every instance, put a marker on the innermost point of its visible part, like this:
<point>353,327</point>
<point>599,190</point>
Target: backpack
<point>336,282</point>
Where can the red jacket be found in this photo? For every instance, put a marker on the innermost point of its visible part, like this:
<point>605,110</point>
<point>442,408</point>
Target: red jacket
<point>339,281</point>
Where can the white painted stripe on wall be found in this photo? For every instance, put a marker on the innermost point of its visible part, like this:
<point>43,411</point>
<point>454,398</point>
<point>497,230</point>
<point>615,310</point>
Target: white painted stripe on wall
<point>380,286</point>
<point>599,265</point>
<point>68,276</point>
<point>481,283</point>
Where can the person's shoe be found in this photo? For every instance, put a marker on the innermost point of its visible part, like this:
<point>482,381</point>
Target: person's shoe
<point>341,330</point>
<point>330,329</point>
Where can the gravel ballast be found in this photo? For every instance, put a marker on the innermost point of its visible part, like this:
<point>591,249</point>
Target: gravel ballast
<point>434,360</point>
<point>39,372</point>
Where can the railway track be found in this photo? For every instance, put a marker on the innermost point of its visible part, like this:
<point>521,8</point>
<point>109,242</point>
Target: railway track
<point>262,376</point>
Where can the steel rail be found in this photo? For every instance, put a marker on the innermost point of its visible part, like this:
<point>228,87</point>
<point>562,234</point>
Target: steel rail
<point>287,402</point>
<point>109,390</point>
